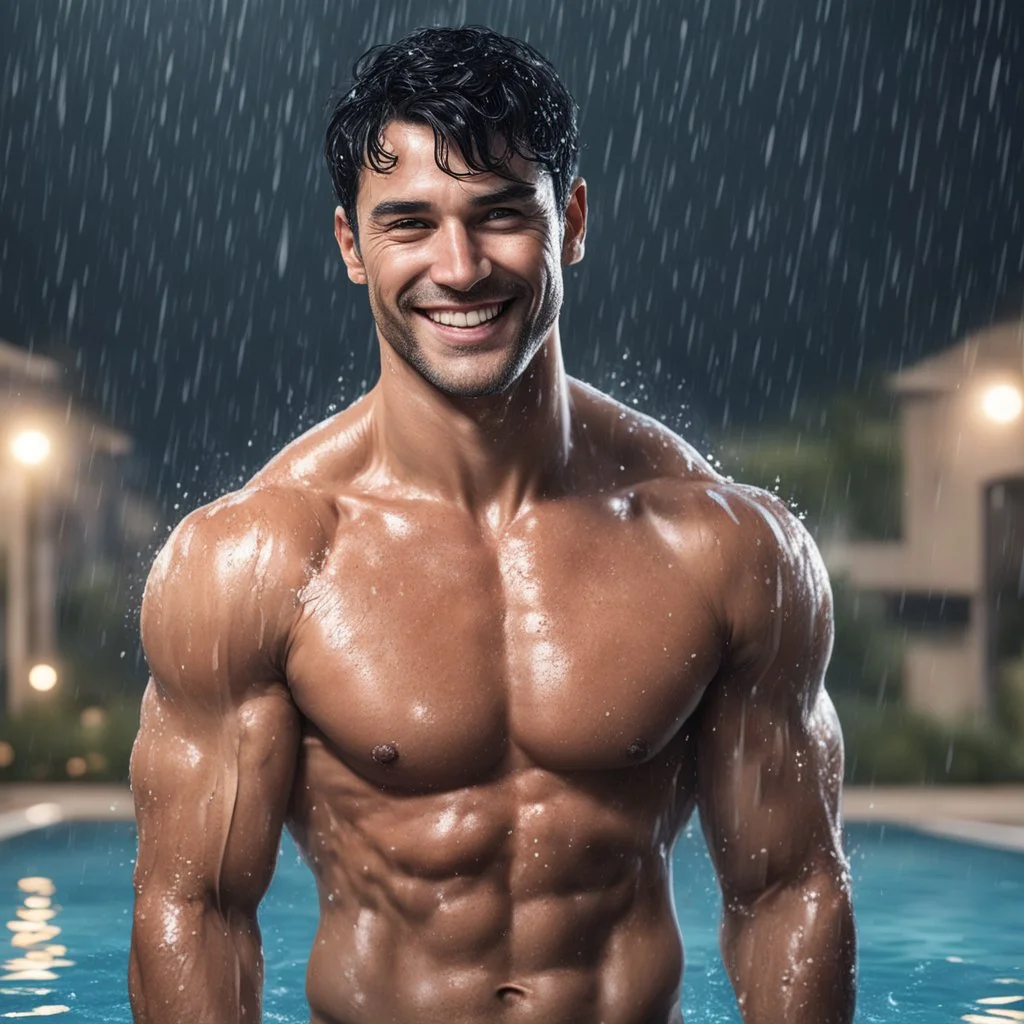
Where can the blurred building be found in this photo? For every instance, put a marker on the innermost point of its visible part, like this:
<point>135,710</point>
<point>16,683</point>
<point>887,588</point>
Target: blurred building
<point>65,513</point>
<point>956,577</point>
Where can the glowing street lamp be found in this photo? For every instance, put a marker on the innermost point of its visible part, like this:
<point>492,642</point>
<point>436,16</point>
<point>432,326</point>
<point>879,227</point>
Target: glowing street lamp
<point>1002,403</point>
<point>42,677</point>
<point>31,447</point>
<point>28,585</point>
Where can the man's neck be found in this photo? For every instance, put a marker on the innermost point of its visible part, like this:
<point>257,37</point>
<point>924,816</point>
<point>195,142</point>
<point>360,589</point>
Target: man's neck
<point>489,455</point>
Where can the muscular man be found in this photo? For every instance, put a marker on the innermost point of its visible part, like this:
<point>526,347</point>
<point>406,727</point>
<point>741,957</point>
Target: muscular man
<point>485,639</point>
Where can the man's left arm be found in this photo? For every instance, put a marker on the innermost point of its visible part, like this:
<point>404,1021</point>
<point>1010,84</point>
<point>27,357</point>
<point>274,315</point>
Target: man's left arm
<point>770,769</point>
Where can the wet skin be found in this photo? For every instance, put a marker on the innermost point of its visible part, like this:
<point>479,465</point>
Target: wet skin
<point>483,658</point>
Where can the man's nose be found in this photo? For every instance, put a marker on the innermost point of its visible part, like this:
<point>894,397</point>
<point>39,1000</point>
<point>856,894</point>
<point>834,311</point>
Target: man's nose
<point>459,262</point>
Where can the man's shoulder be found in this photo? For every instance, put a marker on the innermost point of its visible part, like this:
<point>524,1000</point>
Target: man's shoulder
<point>744,519</point>
<point>768,532</point>
<point>241,527</point>
<point>754,533</point>
<point>774,586</point>
<point>283,513</point>
<point>269,534</point>
<point>225,587</point>
<point>755,561</point>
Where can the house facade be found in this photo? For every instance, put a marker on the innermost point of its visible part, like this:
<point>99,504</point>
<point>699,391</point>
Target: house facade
<point>955,579</point>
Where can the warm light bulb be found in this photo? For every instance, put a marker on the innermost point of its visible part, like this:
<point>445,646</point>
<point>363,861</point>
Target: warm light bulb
<point>31,447</point>
<point>1003,403</point>
<point>42,677</point>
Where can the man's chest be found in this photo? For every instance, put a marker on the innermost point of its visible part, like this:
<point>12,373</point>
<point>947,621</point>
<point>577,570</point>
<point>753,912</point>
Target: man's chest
<point>580,639</point>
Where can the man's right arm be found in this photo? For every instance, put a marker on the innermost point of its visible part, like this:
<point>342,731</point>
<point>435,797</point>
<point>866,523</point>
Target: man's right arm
<point>214,759</point>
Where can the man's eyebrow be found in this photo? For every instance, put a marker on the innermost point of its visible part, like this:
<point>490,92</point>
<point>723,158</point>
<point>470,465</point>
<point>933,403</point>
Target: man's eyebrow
<point>507,193</point>
<point>391,207</point>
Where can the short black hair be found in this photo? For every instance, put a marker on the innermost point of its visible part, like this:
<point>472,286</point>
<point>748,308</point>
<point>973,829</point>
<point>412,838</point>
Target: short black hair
<point>472,86</point>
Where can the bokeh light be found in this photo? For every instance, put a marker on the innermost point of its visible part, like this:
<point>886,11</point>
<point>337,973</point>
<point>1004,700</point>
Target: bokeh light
<point>42,677</point>
<point>93,717</point>
<point>1002,403</point>
<point>31,447</point>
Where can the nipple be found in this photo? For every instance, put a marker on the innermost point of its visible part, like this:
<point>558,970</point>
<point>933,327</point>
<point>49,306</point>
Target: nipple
<point>385,753</point>
<point>637,750</point>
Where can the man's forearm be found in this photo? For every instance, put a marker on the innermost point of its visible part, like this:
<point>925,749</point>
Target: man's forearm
<point>791,954</point>
<point>191,963</point>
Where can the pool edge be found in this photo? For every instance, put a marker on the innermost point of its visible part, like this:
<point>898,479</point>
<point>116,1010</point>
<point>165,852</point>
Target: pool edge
<point>27,807</point>
<point>989,816</point>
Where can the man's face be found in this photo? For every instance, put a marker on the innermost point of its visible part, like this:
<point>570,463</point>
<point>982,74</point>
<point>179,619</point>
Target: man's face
<point>433,246</point>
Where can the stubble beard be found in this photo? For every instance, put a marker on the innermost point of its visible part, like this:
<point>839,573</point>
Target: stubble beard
<point>400,333</point>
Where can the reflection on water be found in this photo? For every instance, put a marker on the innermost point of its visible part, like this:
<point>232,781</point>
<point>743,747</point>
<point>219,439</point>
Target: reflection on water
<point>993,1009</point>
<point>37,958</point>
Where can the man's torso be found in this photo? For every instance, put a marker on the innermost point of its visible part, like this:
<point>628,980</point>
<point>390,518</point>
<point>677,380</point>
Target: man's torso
<point>498,750</point>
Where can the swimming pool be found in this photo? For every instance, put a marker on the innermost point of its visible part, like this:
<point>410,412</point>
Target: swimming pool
<point>941,927</point>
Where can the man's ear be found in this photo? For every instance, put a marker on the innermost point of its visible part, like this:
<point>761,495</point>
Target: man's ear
<point>575,229</point>
<point>349,249</point>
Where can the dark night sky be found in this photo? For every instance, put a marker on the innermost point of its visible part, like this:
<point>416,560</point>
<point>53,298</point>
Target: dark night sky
<point>784,196</point>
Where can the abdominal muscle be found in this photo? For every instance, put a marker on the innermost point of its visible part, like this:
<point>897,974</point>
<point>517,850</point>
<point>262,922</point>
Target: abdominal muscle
<point>523,899</point>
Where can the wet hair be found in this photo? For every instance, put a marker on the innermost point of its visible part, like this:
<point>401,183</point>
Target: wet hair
<point>470,85</point>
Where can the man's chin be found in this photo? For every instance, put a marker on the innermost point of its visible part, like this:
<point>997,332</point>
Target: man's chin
<point>477,371</point>
<point>468,386</point>
<point>475,374</point>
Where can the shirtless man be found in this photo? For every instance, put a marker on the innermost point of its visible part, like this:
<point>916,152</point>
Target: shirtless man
<point>484,640</point>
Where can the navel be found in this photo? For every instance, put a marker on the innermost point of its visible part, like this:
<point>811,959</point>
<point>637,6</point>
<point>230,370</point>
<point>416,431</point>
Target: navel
<point>385,753</point>
<point>637,750</point>
<point>510,993</point>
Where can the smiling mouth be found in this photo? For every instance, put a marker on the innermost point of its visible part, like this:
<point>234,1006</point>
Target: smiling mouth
<point>482,316</point>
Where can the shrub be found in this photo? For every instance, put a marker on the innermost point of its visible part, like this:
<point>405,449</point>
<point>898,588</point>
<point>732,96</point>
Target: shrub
<point>892,745</point>
<point>60,740</point>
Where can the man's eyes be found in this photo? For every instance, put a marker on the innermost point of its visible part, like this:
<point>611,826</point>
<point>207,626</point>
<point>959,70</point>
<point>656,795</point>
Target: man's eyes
<point>409,223</point>
<point>502,210</point>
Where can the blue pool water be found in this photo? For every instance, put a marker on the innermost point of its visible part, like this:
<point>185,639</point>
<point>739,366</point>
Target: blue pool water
<point>941,928</point>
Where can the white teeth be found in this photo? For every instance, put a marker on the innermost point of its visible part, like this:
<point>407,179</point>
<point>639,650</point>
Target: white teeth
<point>473,318</point>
